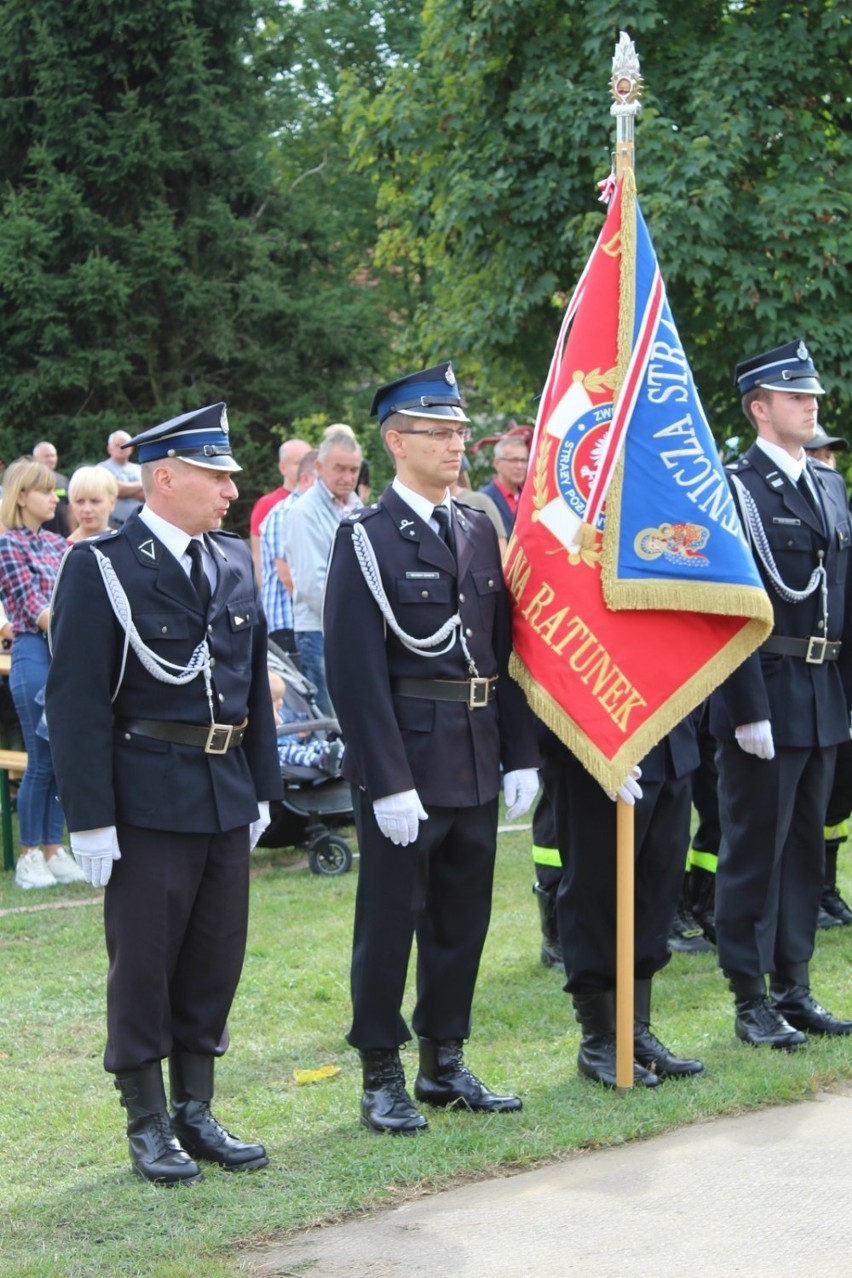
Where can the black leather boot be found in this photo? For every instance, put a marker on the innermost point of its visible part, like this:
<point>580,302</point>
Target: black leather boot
<point>647,1048</point>
<point>551,950</point>
<point>197,1129</point>
<point>758,1022</point>
<point>792,999</point>
<point>154,1152</point>
<point>444,1079</point>
<point>832,904</point>
<point>685,934</point>
<point>386,1106</point>
<point>702,896</point>
<point>596,1058</point>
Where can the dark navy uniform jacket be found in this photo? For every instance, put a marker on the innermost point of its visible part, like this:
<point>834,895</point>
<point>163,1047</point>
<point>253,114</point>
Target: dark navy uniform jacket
<point>449,753</point>
<point>806,704</point>
<point>107,776</point>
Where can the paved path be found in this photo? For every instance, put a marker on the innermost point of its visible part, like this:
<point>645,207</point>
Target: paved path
<point>764,1195</point>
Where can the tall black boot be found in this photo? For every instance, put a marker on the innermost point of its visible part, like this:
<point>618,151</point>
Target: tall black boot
<point>386,1105</point>
<point>198,1130</point>
<point>832,904</point>
<point>792,998</point>
<point>685,934</point>
<point>596,1058</point>
<point>444,1079</point>
<point>647,1048</point>
<point>154,1152</point>
<point>702,896</point>
<point>551,950</point>
<point>758,1021</point>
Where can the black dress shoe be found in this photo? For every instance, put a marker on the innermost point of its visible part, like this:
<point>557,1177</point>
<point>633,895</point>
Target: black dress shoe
<point>653,1055</point>
<point>833,905</point>
<point>203,1136</point>
<point>799,1008</point>
<point>156,1155</point>
<point>386,1106</point>
<point>759,1023</point>
<point>444,1079</point>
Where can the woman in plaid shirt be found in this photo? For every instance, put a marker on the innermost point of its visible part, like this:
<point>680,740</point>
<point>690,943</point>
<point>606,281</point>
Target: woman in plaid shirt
<point>29,562</point>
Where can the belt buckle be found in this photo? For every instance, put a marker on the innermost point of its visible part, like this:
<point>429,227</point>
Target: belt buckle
<point>815,654</point>
<point>217,733</point>
<point>479,689</point>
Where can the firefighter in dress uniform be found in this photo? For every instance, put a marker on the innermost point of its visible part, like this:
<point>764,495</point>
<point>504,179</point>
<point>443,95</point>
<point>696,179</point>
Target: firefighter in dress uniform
<point>164,745</point>
<point>781,716</point>
<point>417,640</point>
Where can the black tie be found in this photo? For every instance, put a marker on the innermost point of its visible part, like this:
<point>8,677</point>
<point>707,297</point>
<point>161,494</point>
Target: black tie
<point>197,575</point>
<point>442,518</point>
<point>809,495</point>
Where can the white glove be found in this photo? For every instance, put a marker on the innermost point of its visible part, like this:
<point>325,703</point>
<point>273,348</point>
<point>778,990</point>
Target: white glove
<point>398,816</point>
<point>756,739</point>
<point>519,790</point>
<point>94,851</point>
<point>630,790</point>
<point>257,827</point>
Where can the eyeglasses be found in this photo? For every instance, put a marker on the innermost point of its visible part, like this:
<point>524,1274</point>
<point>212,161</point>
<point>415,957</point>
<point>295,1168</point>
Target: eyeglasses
<point>513,461</point>
<point>442,434</point>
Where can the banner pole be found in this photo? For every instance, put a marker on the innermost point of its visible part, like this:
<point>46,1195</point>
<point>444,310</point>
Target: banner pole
<point>626,89</point>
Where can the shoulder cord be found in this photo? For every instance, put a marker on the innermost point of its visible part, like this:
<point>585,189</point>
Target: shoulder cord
<point>757,535</point>
<point>155,665</point>
<point>366,556</point>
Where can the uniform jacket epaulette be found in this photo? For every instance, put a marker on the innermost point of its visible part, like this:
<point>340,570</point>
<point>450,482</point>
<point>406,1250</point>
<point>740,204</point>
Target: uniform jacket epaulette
<point>358,516</point>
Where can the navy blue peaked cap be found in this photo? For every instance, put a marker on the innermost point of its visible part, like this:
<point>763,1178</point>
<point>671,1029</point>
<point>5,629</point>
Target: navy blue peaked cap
<point>430,393</point>
<point>786,368</point>
<point>199,438</point>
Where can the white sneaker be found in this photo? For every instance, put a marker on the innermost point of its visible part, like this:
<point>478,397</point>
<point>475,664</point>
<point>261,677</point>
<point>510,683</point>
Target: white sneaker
<point>64,868</point>
<point>31,871</point>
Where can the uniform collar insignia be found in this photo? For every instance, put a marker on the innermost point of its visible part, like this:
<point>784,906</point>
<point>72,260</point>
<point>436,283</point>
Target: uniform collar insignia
<point>405,523</point>
<point>238,620</point>
<point>147,548</point>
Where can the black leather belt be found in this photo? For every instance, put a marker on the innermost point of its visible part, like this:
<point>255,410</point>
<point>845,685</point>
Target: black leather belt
<point>475,692</point>
<point>212,738</point>
<point>813,650</point>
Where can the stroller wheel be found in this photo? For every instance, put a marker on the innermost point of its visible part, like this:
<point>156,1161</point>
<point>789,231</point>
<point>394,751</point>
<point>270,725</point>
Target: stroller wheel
<point>330,855</point>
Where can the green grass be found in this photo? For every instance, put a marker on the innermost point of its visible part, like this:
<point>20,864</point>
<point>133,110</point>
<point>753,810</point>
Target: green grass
<point>71,1206</point>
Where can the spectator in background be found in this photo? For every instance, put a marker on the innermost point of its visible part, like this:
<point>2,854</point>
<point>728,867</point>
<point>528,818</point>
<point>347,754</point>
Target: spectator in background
<point>308,533</point>
<point>462,492</point>
<point>824,447</point>
<point>276,580</point>
<point>290,454</point>
<point>511,458</point>
<point>93,493</point>
<point>61,521</point>
<point>127,475</point>
<point>29,563</point>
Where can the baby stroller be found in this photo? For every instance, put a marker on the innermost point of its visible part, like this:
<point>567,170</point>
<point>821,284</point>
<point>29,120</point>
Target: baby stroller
<point>313,800</point>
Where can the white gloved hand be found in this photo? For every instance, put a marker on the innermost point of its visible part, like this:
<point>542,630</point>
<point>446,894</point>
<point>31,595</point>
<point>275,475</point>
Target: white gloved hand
<point>756,739</point>
<point>398,816</point>
<point>630,790</point>
<point>519,789</point>
<point>257,827</point>
<point>94,851</point>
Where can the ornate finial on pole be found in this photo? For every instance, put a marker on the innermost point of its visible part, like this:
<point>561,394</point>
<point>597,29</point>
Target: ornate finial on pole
<point>626,88</point>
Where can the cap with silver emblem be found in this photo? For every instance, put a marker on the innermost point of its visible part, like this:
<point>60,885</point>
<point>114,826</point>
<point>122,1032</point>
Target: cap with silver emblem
<point>199,438</point>
<point>430,393</point>
<point>786,368</point>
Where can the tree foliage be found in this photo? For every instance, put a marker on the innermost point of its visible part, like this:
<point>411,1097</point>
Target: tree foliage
<point>486,147</point>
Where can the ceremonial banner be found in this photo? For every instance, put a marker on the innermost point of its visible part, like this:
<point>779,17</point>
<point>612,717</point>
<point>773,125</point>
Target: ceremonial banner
<point>634,591</point>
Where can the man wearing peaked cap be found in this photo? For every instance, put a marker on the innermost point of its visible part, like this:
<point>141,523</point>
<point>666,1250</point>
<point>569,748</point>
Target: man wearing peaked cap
<point>417,641</point>
<point>159,659</point>
<point>781,716</point>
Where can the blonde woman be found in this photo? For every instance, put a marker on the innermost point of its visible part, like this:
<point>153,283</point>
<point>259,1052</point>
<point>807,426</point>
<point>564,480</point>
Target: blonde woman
<point>29,562</point>
<point>93,492</point>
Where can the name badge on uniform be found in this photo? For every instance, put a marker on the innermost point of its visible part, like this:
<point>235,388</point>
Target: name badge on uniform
<point>779,519</point>
<point>423,576</point>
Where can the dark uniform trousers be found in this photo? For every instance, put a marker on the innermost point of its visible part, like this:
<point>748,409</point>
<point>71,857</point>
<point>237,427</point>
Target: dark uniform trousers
<point>585,818</point>
<point>176,905</point>
<point>438,888</point>
<point>772,852</point>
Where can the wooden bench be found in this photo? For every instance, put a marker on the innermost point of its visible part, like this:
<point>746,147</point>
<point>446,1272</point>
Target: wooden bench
<point>10,761</point>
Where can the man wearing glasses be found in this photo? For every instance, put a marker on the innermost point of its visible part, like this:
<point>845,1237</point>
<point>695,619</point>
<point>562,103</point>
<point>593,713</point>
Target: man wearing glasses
<point>511,458</point>
<point>417,640</point>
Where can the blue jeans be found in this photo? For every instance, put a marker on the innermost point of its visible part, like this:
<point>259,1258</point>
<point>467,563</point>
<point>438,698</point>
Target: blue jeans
<point>309,644</point>
<point>40,816</point>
